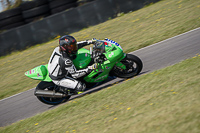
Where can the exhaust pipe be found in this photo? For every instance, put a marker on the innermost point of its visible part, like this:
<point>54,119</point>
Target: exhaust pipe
<point>46,93</point>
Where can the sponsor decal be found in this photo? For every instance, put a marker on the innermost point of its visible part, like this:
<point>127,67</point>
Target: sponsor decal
<point>68,62</point>
<point>38,75</point>
<point>66,40</point>
<point>108,67</point>
<point>85,54</point>
<point>100,78</point>
<point>31,71</point>
<point>100,70</point>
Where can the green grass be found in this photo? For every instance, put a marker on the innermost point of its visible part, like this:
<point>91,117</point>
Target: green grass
<point>165,101</point>
<point>132,31</point>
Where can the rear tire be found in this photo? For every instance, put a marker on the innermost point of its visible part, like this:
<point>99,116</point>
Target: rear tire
<point>27,5</point>
<point>133,67</point>
<point>63,8</point>
<point>10,13</point>
<point>11,20</point>
<point>51,101</point>
<point>57,3</point>
<point>36,11</point>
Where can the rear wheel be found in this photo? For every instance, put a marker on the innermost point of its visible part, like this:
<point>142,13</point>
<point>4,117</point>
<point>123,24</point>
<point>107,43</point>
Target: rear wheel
<point>133,67</point>
<point>48,100</point>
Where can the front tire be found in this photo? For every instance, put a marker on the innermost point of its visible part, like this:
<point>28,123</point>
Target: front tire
<point>133,67</point>
<point>47,100</point>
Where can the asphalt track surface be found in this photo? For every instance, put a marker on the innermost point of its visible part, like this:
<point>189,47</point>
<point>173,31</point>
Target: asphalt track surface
<point>156,56</point>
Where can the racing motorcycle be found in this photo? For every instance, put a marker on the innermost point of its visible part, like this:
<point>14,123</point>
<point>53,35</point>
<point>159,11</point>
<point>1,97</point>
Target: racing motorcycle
<point>110,59</point>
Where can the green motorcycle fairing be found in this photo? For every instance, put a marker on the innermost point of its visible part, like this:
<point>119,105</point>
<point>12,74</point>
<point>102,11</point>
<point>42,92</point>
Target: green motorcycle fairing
<point>113,54</point>
<point>83,58</point>
<point>39,73</point>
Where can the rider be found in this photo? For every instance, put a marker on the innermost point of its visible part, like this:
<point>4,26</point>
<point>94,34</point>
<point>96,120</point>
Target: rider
<point>60,64</point>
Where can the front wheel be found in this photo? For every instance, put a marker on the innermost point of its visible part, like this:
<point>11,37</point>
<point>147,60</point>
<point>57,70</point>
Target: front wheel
<point>133,67</point>
<point>48,100</point>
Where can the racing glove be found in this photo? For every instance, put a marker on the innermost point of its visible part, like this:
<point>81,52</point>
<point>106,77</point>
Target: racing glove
<point>90,41</point>
<point>92,67</point>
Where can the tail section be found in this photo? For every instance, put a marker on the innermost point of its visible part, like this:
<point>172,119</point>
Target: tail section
<point>39,73</point>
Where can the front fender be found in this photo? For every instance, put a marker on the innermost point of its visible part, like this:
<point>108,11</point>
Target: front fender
<point>119,64</point>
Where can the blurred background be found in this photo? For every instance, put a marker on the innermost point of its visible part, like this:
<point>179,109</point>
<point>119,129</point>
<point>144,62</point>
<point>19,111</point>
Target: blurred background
<point>9,4</point>
<point>37,21</point>
<point>14,13</point>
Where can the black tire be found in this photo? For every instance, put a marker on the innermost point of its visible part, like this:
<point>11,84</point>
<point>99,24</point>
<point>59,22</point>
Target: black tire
<point>51,101</point>
<point>62,8</point>
<point>133,67</point>
<point>32,4</point>
<point>88,0</point>
<point>36,11</point>
<point>10,13</point>
<point>10,26</point>
<point>11,20</point>
<point>28,20</point>
<point>56,3</point>
<point>82,2</point>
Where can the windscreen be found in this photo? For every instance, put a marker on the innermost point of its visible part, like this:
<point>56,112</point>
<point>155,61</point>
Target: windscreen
<point>99,46</point>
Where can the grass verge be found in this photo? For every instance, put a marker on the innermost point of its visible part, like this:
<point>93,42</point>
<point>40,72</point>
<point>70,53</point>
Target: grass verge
<point>164,101</point>
<point>132,31</point>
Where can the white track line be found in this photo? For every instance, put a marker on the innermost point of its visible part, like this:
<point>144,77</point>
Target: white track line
<point>15,95</point>
<point>131,52</point>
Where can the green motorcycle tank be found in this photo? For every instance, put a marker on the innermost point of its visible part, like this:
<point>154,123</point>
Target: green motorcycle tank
<point>82,59</point>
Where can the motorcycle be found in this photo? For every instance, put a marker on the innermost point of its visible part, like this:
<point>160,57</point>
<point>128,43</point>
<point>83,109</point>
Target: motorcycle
<point>110,59</point>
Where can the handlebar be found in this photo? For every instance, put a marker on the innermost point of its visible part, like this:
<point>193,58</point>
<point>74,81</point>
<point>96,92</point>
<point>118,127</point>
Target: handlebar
<point>97,51</point>
<point>104,50</point>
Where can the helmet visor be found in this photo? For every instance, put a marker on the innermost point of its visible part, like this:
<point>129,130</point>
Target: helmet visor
<point>72,48</point>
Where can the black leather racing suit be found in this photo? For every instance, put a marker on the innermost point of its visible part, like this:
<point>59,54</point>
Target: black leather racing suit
<point>60,65</point>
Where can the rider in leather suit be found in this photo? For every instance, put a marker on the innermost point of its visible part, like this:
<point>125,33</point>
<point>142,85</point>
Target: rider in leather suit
<point>60,65</point>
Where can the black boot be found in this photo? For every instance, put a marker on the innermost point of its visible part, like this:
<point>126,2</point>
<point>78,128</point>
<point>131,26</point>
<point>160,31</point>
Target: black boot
<point>80,87</point>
